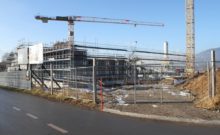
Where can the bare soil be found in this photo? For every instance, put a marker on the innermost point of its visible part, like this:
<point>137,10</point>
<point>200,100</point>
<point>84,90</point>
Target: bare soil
<point>202,108</point>
<point>199,87</point>
<point>179,110</point>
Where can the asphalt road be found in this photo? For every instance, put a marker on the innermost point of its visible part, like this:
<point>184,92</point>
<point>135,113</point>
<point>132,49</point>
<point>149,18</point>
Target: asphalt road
<point>22,114</point>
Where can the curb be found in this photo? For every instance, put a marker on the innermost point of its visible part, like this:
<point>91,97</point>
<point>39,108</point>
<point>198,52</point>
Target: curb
<point>164,118</point>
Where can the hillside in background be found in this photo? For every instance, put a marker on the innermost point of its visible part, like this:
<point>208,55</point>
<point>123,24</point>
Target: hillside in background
<point>205,56</point>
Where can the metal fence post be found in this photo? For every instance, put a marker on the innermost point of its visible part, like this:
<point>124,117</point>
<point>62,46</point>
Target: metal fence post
<point>51,78</point>
<point>161,94</point>
<point>75,78</point>
<point>31,85</point>
<point>101,95</point>
<point>208,77</point>
<point>213,73</point>
<point>94,80</point>
<point>134,82</point>
<point>42,77</point>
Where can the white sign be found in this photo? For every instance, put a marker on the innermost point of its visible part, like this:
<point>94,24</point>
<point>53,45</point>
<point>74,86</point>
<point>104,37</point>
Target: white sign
<point>22,56</point>
<point>36,54</point>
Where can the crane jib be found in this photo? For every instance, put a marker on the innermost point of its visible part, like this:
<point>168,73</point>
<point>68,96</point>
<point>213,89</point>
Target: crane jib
<point>97,20</point>
<point>62,18</point>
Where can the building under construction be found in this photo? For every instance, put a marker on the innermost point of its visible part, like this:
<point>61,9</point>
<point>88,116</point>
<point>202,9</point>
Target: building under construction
<point>75,66</point>
<point>67,60</point>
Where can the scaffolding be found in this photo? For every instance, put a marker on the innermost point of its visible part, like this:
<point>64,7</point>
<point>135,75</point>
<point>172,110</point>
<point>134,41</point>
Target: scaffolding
<point>112,65</point>
<point>76,70</point>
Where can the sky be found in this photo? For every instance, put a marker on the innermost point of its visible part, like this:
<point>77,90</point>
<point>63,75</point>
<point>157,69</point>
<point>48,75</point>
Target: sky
<point>17,23</point>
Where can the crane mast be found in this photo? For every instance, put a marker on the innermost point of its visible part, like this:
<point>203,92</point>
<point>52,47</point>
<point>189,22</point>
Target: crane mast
<point>190,38</point>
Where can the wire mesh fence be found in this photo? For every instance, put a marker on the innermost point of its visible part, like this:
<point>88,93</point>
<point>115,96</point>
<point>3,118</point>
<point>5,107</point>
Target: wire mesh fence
<point>16,79</point>
<point>79,85</point>
<point>122,82</point>
<point>148,86</point>
<point>136,77</point>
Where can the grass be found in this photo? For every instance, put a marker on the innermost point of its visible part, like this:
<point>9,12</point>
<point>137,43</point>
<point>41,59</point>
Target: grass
<point>57,97</point>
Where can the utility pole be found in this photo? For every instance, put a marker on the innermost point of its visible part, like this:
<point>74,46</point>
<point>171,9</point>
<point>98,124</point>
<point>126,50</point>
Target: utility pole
<point>190,38</point>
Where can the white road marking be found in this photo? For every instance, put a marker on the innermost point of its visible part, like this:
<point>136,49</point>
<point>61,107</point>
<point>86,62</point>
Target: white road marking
<point>16,108</point>
<point>32,116</point>
<point>61,130</point>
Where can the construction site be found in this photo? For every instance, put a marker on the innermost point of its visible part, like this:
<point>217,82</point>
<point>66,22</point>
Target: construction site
<point>118,77</point>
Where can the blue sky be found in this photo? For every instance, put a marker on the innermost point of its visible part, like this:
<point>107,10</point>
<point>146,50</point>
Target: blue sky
<point>17,22</point>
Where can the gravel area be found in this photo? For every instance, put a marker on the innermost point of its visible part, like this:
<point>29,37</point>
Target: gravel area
<point>180,110</point>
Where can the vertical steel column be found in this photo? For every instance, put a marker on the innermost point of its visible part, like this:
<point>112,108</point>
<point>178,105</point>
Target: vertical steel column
<point>161,94</point>
<point>135,81</point>
<point>208,77</point>
<point>94,80</point>
<point>29,67</point>
<point>75,73</point>
<point>31,77</point>
<point>42,76</point>
<point>213,73</point>
<point>51,78</point>
<point>101,96</point>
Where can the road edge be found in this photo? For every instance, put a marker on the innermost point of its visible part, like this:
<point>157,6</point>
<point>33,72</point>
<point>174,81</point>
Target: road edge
<point>163,118</point>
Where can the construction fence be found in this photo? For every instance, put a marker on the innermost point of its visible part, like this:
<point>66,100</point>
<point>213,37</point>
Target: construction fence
<point>135,86</point>
<point>15,79</point>
<point>151,87</point>
<point>113,76</point>
<point>130,85</point>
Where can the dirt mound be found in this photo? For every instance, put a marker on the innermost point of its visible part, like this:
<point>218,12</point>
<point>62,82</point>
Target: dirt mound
<point>209,103</point>
<point>199,87</point>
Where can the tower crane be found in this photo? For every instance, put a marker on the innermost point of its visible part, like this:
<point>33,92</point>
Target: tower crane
<point>190,38</point>
<point>72,19</point>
